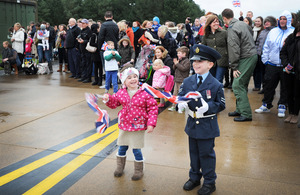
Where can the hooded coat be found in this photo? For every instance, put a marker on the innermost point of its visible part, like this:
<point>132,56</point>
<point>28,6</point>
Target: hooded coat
<point>275,40</point>
<point>127,53</point>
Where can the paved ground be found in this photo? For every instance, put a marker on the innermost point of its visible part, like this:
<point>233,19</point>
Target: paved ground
<point>48,145</point>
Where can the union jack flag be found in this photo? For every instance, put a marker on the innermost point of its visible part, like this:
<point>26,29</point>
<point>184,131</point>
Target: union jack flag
<point>102,122</point>
<point>236,3</point>
<point>172,98</point>
<point>104,46</point>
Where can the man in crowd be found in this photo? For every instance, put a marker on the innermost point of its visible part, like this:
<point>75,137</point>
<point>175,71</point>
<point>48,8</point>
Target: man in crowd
<point>72,45</point>
<point>109,30</point>
<point>243,58</point>
<point>86,60</point>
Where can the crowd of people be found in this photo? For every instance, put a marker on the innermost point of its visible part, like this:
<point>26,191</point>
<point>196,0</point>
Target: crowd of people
<point>232,51</point>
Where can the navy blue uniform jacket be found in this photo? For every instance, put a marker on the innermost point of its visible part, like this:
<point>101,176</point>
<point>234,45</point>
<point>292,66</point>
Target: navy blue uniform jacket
<point>213,93</point>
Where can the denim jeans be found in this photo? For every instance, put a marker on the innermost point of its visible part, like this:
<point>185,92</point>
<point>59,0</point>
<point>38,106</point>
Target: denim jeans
<point>111,76</point>
<point>220,72</point>
<point>137,152</point>
<point>41,53</point>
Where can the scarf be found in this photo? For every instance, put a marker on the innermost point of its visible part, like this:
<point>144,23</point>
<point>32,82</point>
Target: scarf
<point>134,29</point>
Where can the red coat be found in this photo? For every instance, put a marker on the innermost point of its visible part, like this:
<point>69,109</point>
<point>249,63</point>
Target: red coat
<point>137,113</point>
<point>130,34</point>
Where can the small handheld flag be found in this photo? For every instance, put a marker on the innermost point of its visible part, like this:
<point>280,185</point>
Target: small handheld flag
<point>102,122</point>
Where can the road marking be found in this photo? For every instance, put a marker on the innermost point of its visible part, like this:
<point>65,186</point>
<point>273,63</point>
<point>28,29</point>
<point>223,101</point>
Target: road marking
<point>47,159</point>
<point>63,172</point>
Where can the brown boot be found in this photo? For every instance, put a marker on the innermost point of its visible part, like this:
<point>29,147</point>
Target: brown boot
<point>138,170</point>
<point>120,166</point>
<point>60,68</point>
<point>16,68</point>
<point>66,68</point>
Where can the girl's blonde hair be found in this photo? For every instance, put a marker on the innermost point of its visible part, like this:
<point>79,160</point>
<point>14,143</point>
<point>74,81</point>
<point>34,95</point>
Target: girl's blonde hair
<point>159,61</point>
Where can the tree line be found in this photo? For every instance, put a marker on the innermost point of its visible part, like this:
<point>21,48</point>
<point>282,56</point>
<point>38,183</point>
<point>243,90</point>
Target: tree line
<point>59,11</point>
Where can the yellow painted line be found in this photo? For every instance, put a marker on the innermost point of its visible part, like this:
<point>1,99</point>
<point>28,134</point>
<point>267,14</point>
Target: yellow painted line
<point>63,172</point>
<point>47,159</point>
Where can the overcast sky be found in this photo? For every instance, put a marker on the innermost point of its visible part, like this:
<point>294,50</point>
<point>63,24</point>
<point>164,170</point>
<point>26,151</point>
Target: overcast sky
<point>262,8</point>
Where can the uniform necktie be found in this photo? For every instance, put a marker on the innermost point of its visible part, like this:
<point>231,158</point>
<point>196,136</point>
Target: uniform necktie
<point>200,80</point>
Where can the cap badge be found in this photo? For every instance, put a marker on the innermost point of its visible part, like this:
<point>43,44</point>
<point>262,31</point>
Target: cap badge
<point>197,50</point>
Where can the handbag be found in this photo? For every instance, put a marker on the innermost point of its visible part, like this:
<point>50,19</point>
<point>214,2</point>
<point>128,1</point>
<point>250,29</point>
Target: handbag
<point>90,48</point>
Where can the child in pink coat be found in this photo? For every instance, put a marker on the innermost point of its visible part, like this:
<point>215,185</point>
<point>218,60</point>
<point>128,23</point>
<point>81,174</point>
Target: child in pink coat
<point>139,113</point>
<point>160,77</point>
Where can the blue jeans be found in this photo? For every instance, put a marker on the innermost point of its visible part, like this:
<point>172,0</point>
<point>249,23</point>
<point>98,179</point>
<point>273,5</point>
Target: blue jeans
<point>220,72</point>
<point>41,54</point>
<point>137,152</point>
<point>111,76</point>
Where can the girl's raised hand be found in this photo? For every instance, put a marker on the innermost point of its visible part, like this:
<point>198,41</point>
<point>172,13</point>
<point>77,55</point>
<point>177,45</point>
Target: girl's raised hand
<point>105,97</point>
<point>150,129</point>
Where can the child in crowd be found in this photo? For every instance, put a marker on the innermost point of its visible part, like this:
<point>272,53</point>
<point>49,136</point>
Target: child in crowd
<point>182,68</point>
<point>139,113</point>
<point>111,57</point>
<point>160,78</point>
<point>202,123</point>
<point>156,24</point>
<point>44,36</point>
<point>28,46</point>
<point>127,53</point>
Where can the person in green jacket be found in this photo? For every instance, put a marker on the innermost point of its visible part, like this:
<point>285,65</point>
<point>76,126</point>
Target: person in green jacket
<point>243,58</point>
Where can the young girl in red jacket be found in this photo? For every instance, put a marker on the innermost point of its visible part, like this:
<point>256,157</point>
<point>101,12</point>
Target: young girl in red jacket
<point>139,113</point>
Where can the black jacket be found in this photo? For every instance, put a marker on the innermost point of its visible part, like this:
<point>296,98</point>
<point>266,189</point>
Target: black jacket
<point>109,31</point>
<point>290,54</point>
<point>169,43</point>
<point>72,34</point>
<point>94,43</point>
<point>85,35</point>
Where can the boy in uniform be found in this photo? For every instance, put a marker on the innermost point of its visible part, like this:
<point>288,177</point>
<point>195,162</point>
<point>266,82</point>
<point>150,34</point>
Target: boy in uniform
<point>202,125</point>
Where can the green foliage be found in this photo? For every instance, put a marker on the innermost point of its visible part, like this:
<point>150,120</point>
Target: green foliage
<point>298,15</point>
<point>59,11</point>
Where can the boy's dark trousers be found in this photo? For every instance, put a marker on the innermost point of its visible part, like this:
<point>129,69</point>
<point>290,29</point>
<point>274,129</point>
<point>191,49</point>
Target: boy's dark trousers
<point>203,158</point>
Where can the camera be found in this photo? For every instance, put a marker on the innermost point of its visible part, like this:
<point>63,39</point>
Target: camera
<point>79,37</point>
<point>188,18</point>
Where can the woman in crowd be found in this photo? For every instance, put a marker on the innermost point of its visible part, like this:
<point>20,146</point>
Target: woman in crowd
<point>167,41</point>
<point>269,23</point>
<point>216,38</point>
<point>18,39</point>
<point>138,32</point>
<point>290,59</point>
<point>96,59</point>
<point>149,32</point>
<point>62,53</point>
<point>258,27</point>
<point>122,29</point>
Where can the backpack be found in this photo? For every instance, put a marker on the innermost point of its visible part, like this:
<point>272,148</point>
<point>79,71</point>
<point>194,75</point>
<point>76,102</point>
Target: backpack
<point>169,83</point>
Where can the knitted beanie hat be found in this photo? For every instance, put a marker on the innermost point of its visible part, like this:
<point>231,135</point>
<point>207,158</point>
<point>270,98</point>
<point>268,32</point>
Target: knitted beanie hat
<point>127,72</point>
<point>156,19</point>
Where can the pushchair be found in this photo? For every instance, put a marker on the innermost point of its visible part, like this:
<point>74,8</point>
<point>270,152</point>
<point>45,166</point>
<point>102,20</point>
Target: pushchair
<point>145,57</point>
<point>29,66</point>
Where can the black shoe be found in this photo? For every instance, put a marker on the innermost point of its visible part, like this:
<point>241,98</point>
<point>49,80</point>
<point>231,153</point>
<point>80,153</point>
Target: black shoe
<point>100,84</point>
<point>87,81</point>
<point>189,185</point>
<point>242,119</point>
<point>77,77</point>
<point>234,113</point>
<point>207,189</point>
<point>72,76</point>
<point>261,92</point>
<point>226,84</point>
<point>95,83</point>
<point>80,80</point>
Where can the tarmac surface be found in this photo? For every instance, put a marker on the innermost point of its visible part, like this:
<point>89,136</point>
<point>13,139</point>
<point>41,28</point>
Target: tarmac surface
<point>48,145</point>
